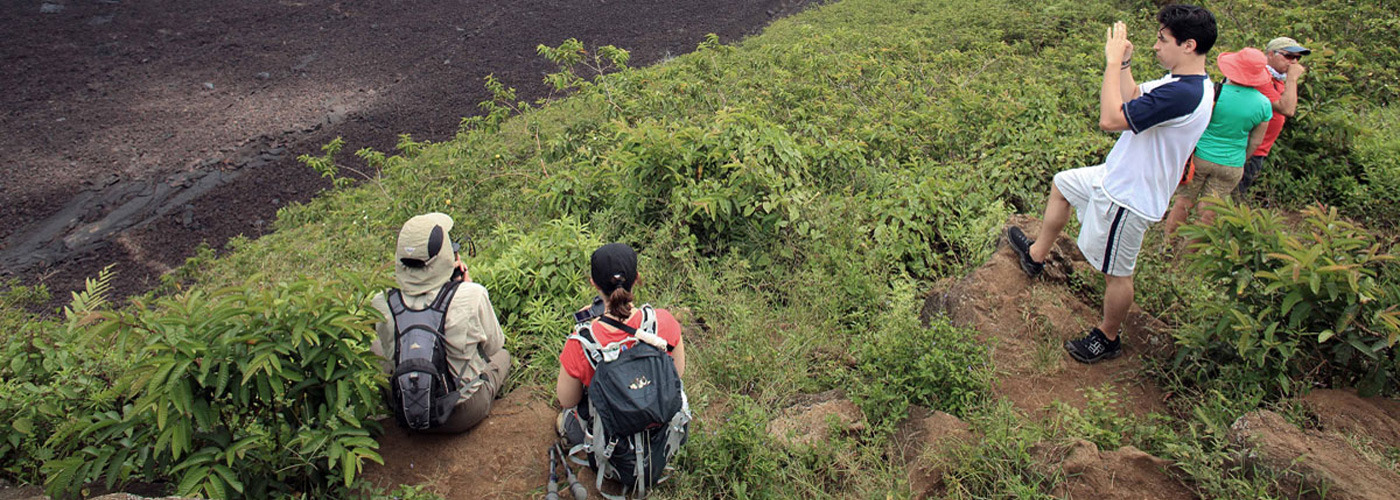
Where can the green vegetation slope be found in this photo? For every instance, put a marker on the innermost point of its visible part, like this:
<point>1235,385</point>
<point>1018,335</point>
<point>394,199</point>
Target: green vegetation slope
<point>796,194</point>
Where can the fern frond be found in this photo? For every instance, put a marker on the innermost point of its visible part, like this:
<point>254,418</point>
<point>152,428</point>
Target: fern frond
<point>92,298</point>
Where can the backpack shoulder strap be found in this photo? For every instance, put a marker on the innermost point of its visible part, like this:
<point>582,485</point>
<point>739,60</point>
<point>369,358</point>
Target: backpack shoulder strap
<point>591,350</point>
<point>647,332</point>
<point>444,296</point>
<point>441,303</point>
<point>395,299</point>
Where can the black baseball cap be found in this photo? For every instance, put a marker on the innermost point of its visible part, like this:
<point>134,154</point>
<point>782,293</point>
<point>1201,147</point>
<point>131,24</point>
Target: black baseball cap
<point>614,265</point>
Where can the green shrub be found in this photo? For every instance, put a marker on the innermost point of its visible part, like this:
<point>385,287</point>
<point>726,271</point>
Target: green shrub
<point>51,374</point>
<point>736,181</point>
<point>1201,446</point>
<point>1309,304</point>
<point>1377,151</point>
<point>935,223</point>
<point>734,458</point>
<point>902,363</point>
<point>1004,463</point>
<point>1106,423</point>
<point>246,391</point>
<point>538,278</point>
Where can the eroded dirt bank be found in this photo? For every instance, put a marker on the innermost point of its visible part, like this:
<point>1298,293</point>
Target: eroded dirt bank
<point>133,130</point>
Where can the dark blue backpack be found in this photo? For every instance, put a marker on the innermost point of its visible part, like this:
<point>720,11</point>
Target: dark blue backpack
<point>637,407</point>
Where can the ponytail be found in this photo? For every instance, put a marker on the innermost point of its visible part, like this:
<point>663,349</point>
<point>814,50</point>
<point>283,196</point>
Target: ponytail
<point>620,303</point>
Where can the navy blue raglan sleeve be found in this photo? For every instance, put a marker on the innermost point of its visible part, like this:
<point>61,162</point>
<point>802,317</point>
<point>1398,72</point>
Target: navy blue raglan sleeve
<point>1167,102</point>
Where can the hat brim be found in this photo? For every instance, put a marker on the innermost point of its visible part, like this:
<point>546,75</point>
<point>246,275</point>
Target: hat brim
<point>1235,67</point>
<point>419,280</point>
<point>1302,51</point>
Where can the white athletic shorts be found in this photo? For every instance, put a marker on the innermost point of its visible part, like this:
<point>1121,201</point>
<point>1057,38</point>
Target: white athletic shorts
<point>1110,235</point>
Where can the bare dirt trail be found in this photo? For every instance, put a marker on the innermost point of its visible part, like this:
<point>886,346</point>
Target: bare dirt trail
<point>1027,321</point>
<point>133,130</point>
<point>503,457</point>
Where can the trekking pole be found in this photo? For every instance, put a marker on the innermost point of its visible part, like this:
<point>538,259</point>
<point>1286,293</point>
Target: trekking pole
<point>578,489</point>
<point>552,489</point>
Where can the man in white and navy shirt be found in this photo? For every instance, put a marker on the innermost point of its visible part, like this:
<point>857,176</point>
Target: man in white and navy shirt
<point>1160,121</point>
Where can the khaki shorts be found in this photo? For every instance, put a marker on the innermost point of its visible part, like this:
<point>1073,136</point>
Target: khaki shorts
<point>1212,179</point>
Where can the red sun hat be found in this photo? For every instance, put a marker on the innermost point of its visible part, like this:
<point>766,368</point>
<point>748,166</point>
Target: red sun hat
<point>1245,67</point>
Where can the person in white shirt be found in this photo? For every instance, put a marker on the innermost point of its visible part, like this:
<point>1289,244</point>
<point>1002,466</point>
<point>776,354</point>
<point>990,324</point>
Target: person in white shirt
<point>1160,121</point>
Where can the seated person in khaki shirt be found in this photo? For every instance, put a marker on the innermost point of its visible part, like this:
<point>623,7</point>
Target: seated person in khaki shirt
<point>473,336</point>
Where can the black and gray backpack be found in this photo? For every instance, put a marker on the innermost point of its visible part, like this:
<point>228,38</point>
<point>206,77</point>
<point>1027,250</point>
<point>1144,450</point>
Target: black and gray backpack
<point>637,409</point>
<point>423,389</point>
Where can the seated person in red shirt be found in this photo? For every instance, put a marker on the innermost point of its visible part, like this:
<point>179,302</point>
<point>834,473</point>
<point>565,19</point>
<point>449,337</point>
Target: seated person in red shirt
<point>613,274</point>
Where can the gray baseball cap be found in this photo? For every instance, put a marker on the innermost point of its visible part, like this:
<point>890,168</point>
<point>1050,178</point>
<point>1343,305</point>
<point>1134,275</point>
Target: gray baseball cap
<point>1287,45</point>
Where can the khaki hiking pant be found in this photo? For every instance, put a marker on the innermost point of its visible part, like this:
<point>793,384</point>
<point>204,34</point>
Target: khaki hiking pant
<point>1212,179</point>
<point>471,411</point>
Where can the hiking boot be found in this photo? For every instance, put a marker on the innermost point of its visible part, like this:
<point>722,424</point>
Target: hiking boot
<point>570,427</point>
<point>1022,245</point>
<point>1094,347</point>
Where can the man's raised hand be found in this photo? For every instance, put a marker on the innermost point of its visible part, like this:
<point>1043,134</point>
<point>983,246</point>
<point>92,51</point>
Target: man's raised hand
<point>461,268</point>
<point>1296,71</point>
<point>1116,47</point>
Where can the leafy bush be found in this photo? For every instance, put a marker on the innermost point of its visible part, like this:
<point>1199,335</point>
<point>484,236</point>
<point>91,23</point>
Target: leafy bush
<point>49,375</point>
<point>1377,150</point>
<point>245,391</point>
<point>1107,424</point>
<point>736,458</point>
<point>900,362</point>
<point>539,277</point>
<point>738,180</point>
<point>1307,304</point>
<point>1005,462</point>
<point>936,223</point>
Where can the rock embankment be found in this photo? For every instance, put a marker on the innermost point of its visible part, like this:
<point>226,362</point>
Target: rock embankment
<point>1313,463</point>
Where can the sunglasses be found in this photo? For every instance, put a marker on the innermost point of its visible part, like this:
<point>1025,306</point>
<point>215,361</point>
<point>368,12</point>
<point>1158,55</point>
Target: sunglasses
<point>1290,56</point>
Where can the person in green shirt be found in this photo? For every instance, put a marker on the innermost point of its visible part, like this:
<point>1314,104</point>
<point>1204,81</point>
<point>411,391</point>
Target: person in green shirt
<point>1237,126</point>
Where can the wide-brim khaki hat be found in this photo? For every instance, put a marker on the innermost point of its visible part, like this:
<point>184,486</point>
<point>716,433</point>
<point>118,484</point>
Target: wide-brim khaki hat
<point>425,255</point>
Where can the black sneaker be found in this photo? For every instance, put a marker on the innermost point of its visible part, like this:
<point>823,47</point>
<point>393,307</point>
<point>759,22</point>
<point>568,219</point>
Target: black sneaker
<point>1022,245</point>
<point>1094,347</point>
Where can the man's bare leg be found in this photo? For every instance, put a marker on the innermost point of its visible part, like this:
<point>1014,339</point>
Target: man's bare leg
<point>1117,298</point>
<point>1056,216</point>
